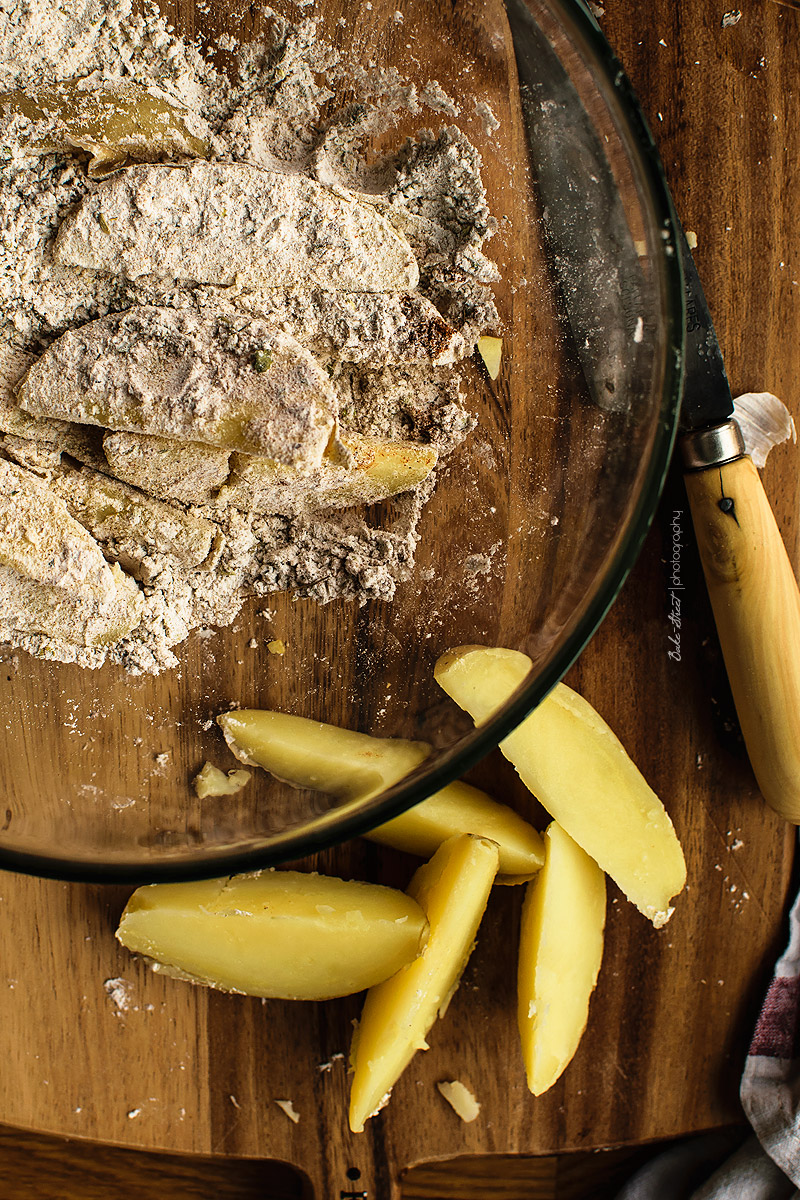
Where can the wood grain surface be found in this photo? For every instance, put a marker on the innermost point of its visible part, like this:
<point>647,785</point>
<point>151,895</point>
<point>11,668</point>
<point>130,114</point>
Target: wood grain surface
<point>186,1071</point>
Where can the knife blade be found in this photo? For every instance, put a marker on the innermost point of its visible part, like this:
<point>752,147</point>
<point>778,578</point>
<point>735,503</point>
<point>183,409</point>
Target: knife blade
<point>711,433</point>
<point>751,584</point>
<point>585,224</point>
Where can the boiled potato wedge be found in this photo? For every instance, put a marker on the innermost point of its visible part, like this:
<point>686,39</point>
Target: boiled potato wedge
<point>452,890</point>
<point>578,769</point>
<point>311,754</point>
<point>282,934</point>
<point>347,764</point>
<point>560,951</point>
<point>461,808</point>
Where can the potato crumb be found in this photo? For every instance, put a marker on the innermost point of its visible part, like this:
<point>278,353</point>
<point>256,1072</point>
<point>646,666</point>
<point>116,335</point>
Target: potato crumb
<point>210,781</point>
<point>287,1107</point>
<point>491,351</point>
<point>460,1099</point>
<point>276,646</point>
<point>691,239</point>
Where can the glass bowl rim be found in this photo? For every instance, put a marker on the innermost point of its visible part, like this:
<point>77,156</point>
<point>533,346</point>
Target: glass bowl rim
<point>355,817</point>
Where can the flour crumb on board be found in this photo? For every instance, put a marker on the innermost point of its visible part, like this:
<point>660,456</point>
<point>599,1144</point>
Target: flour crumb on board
<point>70,255</point>
<point>487,116</point>
<point>120,992</point>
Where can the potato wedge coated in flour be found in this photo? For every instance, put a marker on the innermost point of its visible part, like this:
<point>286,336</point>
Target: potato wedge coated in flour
<point>115,123</point>
<point>233,223</point>
<point>76,618</point>
<point>193,473</point>
<point>14,420</point>
<point>42,542</point>
<point>185,471</point>
<point>231,382</point>
<point>41,545</point>
<point>361,327</point>
<point>133,526</point>
<point>379,468</point>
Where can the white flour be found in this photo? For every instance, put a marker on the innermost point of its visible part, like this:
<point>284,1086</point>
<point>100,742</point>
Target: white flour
<point>266,111</point>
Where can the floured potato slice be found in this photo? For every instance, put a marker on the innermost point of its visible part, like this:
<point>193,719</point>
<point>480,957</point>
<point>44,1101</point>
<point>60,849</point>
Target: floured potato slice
<point>115,123</point>
<point>78,619</point>
<point>233,223</point>
<point>42,544</point>
<point>195,474</point>
<point>185,471</point>
<point>361,327</point>
<point>14,364</point>
<point>131,525</point>
<point>379,468</point>
<point>41,457</point>
<point>234,383</point>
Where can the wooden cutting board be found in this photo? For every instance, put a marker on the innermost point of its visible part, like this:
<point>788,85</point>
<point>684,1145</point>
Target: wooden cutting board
<point>152,1063</point>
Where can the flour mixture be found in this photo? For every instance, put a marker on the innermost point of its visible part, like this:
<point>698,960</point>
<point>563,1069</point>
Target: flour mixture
<point>228,346</point>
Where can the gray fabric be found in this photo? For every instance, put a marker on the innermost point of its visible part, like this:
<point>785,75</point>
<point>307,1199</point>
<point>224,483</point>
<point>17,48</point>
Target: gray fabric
<point>675,1174</point>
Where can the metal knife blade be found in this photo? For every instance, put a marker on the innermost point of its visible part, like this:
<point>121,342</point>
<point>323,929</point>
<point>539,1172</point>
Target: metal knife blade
<point>584,221</point>
<point>707,396</point>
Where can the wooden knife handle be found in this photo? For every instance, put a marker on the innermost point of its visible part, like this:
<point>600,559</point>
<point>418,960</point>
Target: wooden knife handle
<point>756,606</point>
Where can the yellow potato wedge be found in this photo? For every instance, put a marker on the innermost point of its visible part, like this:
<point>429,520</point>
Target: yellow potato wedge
<point>461,808</point>
<point>452,890</point>
<point>282,934</point>
<point>560,951</point>
<point>341,762</point>
<point>578,769</point>
<point>311,754</point>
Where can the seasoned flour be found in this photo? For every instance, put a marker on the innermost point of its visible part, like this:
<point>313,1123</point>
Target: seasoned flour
<point>375,288</point>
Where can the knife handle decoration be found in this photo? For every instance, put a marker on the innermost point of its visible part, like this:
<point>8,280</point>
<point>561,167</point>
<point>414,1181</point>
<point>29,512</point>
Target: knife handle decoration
<point>756,605</point>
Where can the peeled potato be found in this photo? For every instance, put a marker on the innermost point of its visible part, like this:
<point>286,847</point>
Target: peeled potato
<point>560,951</point>
<point>344,763</point>
<point>491,351</point>
<point>578,769</point>
<point>452,890</point>
<point>275,933</point>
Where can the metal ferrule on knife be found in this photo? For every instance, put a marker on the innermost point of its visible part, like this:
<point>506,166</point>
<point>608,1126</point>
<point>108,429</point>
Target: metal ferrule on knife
<point>711,447</point>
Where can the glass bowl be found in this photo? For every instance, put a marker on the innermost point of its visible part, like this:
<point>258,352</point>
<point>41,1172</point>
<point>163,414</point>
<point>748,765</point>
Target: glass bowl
<point>533,526</point>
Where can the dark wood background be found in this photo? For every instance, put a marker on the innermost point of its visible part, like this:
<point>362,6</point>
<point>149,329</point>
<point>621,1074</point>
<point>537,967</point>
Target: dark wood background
<point>672,1015</point>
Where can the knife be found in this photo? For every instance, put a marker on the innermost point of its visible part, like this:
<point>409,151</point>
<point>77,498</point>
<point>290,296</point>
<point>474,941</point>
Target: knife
<point>753,591</point>
<point>750,580</point>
